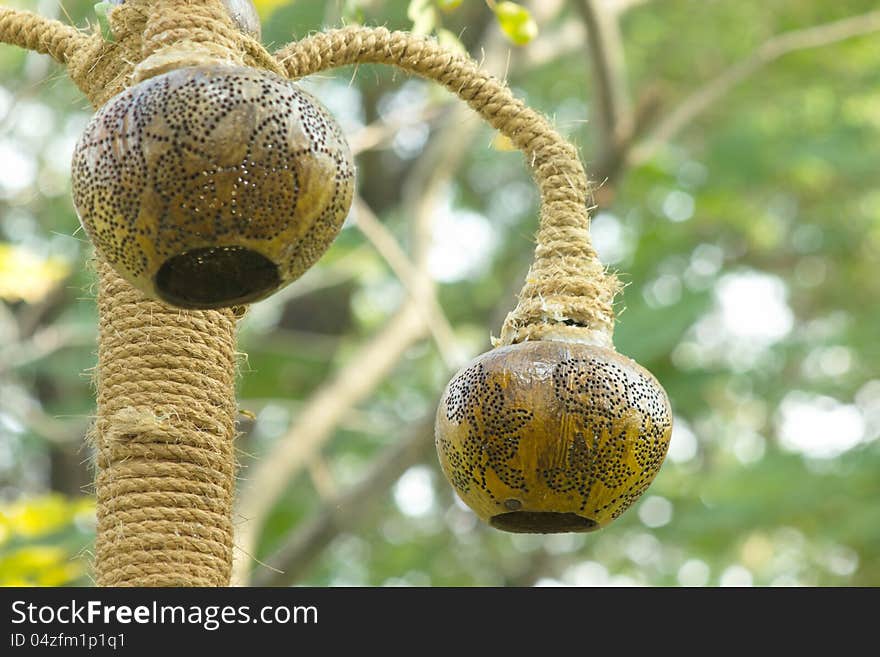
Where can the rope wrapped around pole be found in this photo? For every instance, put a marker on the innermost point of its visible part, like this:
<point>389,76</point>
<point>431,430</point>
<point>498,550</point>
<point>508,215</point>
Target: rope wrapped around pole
<point>165,378</point>
<point>164,436</point>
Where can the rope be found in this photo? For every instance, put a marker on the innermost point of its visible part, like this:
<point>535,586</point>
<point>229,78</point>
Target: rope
<point>568,294</point>
<point>163,434</point>
<point>153,36</point>
<point>33,32</point>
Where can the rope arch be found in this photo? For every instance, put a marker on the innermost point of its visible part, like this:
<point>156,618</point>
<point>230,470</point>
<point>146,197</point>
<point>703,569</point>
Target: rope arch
<point>164,426</point>
<point>567,285</point>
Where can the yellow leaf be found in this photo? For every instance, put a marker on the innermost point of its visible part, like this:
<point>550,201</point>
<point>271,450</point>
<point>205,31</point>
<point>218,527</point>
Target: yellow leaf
<point>36,516</point>
<point>26,276</point>
<point>516,22</point>
<point>502,143</point>
<point>266,7</point>
<point>42,565</point>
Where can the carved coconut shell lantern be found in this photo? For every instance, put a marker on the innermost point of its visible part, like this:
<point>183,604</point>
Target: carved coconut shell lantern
<point>549,436</point>
<point>212,185</point>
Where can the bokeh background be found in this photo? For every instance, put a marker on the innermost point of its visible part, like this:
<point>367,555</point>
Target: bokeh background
<point>736,150</point>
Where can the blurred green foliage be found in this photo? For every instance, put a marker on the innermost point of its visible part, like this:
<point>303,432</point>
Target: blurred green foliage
<point>750,247</point>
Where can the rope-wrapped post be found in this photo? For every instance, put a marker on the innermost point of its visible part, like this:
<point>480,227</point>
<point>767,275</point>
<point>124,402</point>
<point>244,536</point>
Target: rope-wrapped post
<point>164,437</point>
<point>552,430</point>
<point>164,424</point>
<point>165,420</point>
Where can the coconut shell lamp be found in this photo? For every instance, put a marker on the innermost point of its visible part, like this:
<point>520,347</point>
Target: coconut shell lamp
<point>208,183</point>
<point>552,430</point>
<point>552,436</point>
<point>212,185</point>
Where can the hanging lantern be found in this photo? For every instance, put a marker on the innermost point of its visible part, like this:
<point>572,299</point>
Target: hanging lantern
<point>213,185</point>
<point>549,436</point>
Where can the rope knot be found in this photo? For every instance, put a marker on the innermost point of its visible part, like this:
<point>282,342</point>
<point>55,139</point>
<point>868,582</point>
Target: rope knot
<point>151,37</point>
<point>189,34</point>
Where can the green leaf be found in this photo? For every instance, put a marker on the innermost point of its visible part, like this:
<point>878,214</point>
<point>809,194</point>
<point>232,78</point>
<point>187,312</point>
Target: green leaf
<point>352,12</point>
<point>516,22</point>
<point>101,11</point>
<point>448,5</point>
<point>423,14</point>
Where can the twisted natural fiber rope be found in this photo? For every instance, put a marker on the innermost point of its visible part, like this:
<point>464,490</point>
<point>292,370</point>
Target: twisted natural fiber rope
<point>33,32</point>
<point>567,285</point>
<point>164,430</point>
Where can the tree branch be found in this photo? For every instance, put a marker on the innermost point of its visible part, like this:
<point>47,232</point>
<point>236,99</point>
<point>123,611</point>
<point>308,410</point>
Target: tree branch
<point>381,131</point>
<point>432,313</point>
<point>622,6</point>
<point>771,50</point>
<point>322,478</point>
<point>613,162</point>
<point>619,124</point>
<point>348,510</point>
<point>605,50</point>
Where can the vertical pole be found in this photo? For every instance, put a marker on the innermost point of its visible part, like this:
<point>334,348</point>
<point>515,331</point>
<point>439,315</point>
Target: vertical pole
<point>164,435</point>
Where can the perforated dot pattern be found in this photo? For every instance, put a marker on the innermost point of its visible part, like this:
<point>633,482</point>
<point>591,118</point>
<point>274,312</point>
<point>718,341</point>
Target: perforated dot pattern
<point>493,432</point>
<point>553,427</point>
<point>212,156</point>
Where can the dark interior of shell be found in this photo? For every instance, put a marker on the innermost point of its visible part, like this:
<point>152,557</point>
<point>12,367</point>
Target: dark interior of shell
<point>214,185</point>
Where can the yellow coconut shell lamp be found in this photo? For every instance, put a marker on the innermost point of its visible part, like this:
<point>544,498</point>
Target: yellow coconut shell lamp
<point>211,184</point>
<point>552,430</point>
<point>552,436</point>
